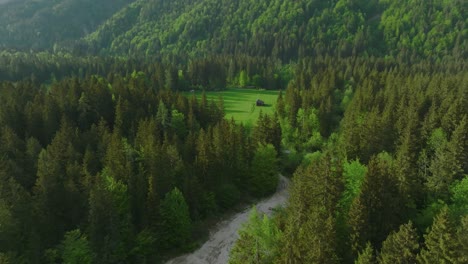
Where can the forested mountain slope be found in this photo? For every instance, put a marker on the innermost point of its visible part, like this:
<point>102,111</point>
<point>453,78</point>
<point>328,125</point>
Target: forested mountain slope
<point>282,29</point>
<point>39,24</point>
<point>285,29</point>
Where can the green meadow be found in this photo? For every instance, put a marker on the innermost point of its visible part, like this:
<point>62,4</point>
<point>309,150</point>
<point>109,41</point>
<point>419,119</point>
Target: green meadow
<point>240,103</point>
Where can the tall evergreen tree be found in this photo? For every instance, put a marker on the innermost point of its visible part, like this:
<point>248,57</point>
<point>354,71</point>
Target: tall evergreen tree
<point>366,256</point>
<point>400,247</point>
<point>376,211</point>
<point>110,227</point>
<point>440,243</point>
<point>60,204</point>
<point>462,239</point>
<point>310,232</point>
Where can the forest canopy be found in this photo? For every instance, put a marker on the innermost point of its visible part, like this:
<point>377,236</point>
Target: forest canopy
<point>107,155</point>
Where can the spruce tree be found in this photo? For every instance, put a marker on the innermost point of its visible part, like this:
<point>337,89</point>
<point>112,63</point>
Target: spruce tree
<point>366,256</point>
<point>58,199</point>
<point>462,239</point>
<point>376,211</point>
<point>310,231</point>
<point>110,227</point>
<point>440,244</point>
<point>400,247</point>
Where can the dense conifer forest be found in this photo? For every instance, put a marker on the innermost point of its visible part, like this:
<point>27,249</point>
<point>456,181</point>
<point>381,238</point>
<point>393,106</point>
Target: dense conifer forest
<point>104,158</point>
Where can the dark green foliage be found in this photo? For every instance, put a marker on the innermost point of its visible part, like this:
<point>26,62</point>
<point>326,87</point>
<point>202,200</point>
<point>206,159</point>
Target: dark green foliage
<point>228,195</point>
<point>283,30</point>
<point>268,131</point>
<point>459,198</point>
<point>57,189</point>
<point>428,21</point>
<point>400,247</point>
<point>399,111</point>
<point>74,249</point>
<point>264,172</point>
<point>100,144</point>
<point>110,228</point>
<point>176,226</point>
<point>440,243</point>
<point>43,24</point>
<point>366,256</point>
<point>462,239</point>
<point>376,210</point>
<point>310,231</point>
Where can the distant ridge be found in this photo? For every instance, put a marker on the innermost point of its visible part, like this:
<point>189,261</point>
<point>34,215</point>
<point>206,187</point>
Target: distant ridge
<point>281,29</point>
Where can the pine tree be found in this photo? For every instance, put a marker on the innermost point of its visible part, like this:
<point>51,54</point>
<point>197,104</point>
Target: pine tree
<point>280,106</point>
<point>462,239</point>
<point>260,132</point>
<point>162,116</point>
<point>410,184</point>
<point>178,124</point>
<point>440,244</point>
<point>376,211</point>
<point>110,228</point>
<point>400,247</point>
<point>203,158</point>
<point>119,158</point>
<point>310,233</point>
<point>448,162</point>
<point>57,188</point>
<point>366,256</point>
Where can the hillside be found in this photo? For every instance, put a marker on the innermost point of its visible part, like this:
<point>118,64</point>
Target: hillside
<point>285,29</point>
<point>282,29</point>
<point>39,24</point>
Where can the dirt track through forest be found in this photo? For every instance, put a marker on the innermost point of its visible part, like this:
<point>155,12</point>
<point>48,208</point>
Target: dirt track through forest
<point>222,237</point>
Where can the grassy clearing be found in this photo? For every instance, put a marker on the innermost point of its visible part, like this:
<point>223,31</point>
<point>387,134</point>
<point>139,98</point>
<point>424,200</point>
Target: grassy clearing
<point>240,103</point>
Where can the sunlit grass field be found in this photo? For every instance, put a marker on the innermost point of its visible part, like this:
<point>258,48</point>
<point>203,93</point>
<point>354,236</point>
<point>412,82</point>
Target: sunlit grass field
<point>240,102</point>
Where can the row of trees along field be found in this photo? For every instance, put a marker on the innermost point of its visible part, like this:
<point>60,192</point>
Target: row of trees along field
<point>117,169</point>
<point>211,73</point>
<point>384,174</point>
